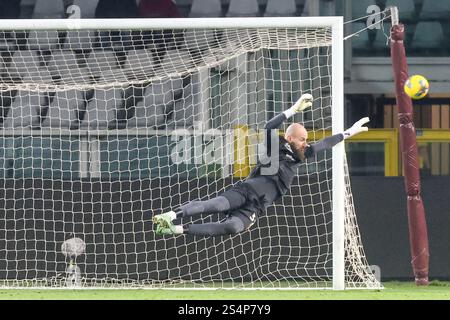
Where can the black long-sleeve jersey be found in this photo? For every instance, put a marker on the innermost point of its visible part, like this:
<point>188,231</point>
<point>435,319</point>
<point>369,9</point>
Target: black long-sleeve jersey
<point>288,161</point>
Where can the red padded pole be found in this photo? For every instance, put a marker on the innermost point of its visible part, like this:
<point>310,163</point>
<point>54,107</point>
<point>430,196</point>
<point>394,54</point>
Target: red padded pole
<point>418,236</point>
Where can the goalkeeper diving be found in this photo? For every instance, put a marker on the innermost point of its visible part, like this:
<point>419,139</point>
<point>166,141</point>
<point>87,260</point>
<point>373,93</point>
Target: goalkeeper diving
<point>248,199</point>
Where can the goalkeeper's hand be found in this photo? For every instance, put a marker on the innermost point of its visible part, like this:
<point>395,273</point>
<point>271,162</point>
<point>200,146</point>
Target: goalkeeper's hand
<point>304,102</point>
<point>356,128</point>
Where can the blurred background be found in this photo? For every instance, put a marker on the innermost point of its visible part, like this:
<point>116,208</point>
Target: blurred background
<point>374,160</point>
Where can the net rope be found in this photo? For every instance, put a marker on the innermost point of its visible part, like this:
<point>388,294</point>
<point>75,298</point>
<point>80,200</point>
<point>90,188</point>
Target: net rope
<point>103,129</point>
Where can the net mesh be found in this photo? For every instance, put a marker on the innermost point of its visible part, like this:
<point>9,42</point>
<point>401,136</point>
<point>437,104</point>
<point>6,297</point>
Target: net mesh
<point>103,129</point>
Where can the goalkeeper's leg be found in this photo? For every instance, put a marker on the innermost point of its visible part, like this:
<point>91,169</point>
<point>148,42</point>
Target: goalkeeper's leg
<point>255,193</point>
<point>228,201</point>
<point>234,224</point>
<point>218,204</point>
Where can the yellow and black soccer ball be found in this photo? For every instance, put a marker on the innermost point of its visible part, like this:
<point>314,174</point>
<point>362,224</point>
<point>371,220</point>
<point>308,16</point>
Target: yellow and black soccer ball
<point>417,87</point>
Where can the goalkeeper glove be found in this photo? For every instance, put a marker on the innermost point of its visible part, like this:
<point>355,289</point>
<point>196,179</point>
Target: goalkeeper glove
<point>356,128</point>
<point>304,102</point>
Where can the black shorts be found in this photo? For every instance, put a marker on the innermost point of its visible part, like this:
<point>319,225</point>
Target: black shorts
<point>250,198</point>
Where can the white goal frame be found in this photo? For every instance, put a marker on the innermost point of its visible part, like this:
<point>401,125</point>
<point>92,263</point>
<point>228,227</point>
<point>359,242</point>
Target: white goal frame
<point>337,76</point>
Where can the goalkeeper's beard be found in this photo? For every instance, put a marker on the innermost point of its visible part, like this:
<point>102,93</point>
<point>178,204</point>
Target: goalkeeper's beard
<point>300,153</point>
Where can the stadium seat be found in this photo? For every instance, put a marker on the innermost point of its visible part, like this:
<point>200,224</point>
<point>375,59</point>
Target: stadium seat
<point>184,109</point>
<point>87,8</point>
<point>435,10</point>
<point>7,43</point>
<point>10,9</point>
<point>23,64</point>
<point>428,35</point>
<point>76,77</point>
<point>117,40</point>
<point>125,40</point>
<point>163,91</point>
<point>308,8</point>
<point>243,8</point>
<point>41,76</point>
<point>360,40</point>
<point>25,110</point>
<point>6,98</point>
<point>64,65</point>
<point>62,60</point>
<point>48,9</point>
<point>139,63</point>
<point>280,8</point>
<point>199,40</point>
<point>381,41</point>
<point>205,9</point>
<point>116,76</point>
<point>80,40</point>
<point>64,108</point>
<point>99,62</point>
<point>43,40</point>
<point>101,110</point>
<point>360,7</point>
<point>148,116</point>
<point>183,113</point>
<point>406,8</point>
<point>2,65</point>
<point>149,111</point>
<point>107,9</point>
<point>175,61</point>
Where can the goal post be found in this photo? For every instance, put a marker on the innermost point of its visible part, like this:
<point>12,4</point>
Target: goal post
<point>109,121</point>
<point>338,183</point>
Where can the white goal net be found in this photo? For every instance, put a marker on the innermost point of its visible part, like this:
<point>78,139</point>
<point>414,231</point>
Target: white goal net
<point>103,128</point>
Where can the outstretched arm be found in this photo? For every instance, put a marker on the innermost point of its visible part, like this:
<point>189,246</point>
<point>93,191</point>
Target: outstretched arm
<point>304,102</point>
<point>330,142</point>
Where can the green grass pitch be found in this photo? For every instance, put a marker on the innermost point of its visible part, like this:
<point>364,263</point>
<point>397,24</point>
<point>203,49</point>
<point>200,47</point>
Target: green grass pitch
<point>393,291</point>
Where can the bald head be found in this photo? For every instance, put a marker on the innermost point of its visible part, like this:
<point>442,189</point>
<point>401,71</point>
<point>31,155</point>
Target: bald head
<point>296,135</point>
<point>296,131</point>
